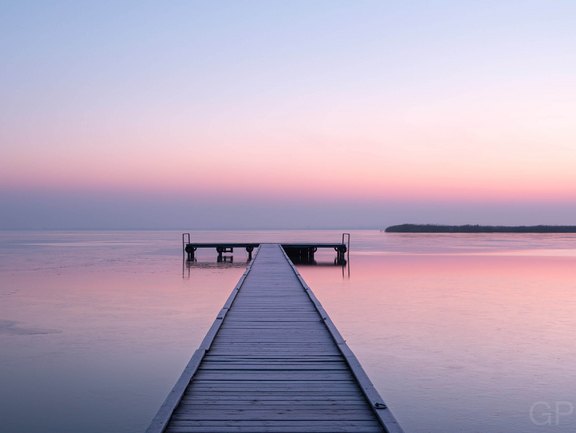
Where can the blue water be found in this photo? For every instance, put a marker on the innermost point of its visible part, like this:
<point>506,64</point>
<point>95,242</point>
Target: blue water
<point>459,333</point>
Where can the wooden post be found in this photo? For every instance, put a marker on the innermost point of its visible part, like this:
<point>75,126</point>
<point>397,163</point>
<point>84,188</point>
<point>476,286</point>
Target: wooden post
<point>249,250</point>
<point>190,253</point>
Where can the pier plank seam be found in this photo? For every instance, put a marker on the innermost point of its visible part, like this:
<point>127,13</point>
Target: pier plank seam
<point>255,371</point>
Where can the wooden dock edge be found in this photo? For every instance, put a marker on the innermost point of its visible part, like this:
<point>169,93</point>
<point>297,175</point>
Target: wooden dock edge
<point>377,404</point>
<point>162,417</point>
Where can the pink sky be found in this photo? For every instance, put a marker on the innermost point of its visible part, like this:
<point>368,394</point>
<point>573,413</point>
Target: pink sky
<point>470,105</point>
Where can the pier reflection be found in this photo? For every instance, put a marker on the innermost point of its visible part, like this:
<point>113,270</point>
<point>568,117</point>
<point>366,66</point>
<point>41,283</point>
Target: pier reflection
<point>229,263</point>
<point>344,266</point>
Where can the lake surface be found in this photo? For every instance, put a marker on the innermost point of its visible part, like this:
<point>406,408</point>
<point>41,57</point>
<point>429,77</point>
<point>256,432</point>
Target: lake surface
<point>460,333</point>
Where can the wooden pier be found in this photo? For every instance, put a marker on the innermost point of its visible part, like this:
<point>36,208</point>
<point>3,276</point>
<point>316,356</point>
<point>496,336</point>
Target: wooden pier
<point>273,361</point>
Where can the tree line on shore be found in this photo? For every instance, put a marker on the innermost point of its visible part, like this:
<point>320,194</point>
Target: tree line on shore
<point>469,228</point>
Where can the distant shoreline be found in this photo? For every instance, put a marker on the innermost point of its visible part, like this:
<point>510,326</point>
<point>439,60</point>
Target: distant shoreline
<point>435,228</point>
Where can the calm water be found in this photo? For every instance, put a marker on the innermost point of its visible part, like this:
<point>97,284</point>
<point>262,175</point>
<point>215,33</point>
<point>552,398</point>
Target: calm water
<point>460,333</point>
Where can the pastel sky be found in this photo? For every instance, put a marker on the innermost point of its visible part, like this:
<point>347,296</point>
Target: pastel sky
<point>286,114</point>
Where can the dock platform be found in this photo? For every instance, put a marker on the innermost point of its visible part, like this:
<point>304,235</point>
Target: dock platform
<point>273,361</point>
<point>297,252</point>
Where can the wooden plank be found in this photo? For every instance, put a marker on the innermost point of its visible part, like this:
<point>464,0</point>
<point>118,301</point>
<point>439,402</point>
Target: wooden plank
<point>265,366</point>
<point>283,413</point>
<point>278,389</point>
<point>223,244</point>
<point>202,399</point>
<point>276,344</point>
<point>346,396</point>
<point>271,375</point>
<point>275,386</point>
<point>302,333</point>
<point>273,358</point>
<point>284,427</point>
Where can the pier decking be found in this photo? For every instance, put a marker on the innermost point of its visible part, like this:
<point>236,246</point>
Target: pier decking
<point>273,361</point>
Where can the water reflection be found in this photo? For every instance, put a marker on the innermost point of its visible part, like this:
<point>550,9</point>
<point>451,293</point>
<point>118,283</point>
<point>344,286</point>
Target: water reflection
<point>460,334</point>
<point>96,328</point>
<point>336,264</point>
<point>189,266</point>
<point>461,343</point>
